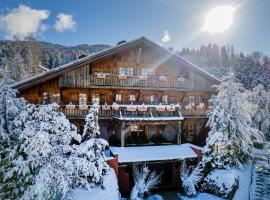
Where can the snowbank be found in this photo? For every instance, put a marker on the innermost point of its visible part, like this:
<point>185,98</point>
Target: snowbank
<point>201,196</point>
<point>244,182</point>
<point>221,182</point>
<point>110,190</point>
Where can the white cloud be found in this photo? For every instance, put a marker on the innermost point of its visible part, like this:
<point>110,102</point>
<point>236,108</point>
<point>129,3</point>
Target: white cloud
<point>166,37</point>
<point>23,21</point>
<point>65,22</point>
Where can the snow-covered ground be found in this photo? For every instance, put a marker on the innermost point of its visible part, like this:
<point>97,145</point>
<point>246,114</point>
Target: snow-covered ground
<point>201,196</point>
<point>244,183</point>
<point>154,153</point>
<point>110,191</point>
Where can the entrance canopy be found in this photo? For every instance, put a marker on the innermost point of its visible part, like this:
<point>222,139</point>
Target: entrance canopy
<point>155,153</point>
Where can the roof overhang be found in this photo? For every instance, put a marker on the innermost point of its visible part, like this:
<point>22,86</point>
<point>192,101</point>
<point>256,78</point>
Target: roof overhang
<point>155,153</point>
<point>107,52</point>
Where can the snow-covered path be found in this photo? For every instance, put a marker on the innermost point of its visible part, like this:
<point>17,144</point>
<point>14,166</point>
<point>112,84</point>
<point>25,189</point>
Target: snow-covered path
<point>261,176</point>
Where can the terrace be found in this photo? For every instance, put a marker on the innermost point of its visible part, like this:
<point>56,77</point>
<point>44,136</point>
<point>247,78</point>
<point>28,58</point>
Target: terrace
<point>116,81</point>
<point>136,112</point>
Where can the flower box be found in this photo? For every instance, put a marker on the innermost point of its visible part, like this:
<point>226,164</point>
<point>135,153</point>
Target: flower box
<point>188,107</point>
<point>143,78</point>
<point>83,107</point>
<point>105,107</point>
<point>181,80</point>
<point>131,108</point>
<point>101,75</point>
<point>142,108</point>
<point>162,78</point>
<point>70,106</point>
<point>199,107</point>
<point>160,108</point>
<point>170,108</point>
<point>210,107</point>
<point>115,106</point>
<point>56,105</point>
<point>122,77</point>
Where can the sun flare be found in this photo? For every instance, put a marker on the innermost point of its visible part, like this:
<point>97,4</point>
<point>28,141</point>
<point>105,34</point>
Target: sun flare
<point>219,19</point>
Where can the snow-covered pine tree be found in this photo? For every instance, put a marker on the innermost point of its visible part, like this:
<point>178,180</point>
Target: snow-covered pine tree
<point>91,150</point>
<point>231,119</point>
<point>10,107</point>
<point>261,98</point>
<point>215,152</point>
<point>91,127</point>
<point>40,158</point>
<point>48,162</point>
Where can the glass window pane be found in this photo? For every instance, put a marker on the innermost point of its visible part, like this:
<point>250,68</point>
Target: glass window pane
<point>95,99</point>
<point>45,98</point>
<point>82,99</point>
<point>118,97</point>
<point>153,99</point>
<point>147,72</point>
<point>122,71</point>
<point>132,97</point>
<point>192,101</point>
<point>165,99</point>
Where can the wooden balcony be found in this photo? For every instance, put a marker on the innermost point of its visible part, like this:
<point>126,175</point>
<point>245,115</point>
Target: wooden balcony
<point>115,81</point>
<point>108,112</point>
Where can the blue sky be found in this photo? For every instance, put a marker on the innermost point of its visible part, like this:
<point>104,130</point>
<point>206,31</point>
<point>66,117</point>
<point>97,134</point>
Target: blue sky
<point>107,22</point>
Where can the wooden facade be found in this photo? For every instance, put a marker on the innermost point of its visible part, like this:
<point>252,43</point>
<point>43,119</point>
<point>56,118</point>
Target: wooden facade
<point>137,74</point>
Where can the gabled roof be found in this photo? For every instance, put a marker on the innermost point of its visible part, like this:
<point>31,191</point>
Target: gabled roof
<point>110,51</point>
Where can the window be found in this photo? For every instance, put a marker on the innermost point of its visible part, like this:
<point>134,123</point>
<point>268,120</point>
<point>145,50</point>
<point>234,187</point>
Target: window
<point>82,99</point>
<point>132,97</point>
<point>51,98</point>
<point>126,71</point>
<point>96,99</point>
<point>46,98</point>
<point>165,99</point>
<point>153,99</point>
<point>189,129</point>
<point>148,72</point>
<point>192,101</point>
<point>202,100</point>
<point>118,97</point>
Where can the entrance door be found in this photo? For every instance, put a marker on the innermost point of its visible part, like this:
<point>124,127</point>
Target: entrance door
<point>166,171</point>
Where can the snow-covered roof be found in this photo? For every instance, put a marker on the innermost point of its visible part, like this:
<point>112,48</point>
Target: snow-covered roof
<point>154,153</point>
<point>77,63</point>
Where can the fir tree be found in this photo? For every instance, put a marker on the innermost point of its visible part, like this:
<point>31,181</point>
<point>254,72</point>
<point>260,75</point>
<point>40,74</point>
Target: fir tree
<point>48,162</point>
<point>91,127</point>
<point>261,98</point>
<point>231,126</point>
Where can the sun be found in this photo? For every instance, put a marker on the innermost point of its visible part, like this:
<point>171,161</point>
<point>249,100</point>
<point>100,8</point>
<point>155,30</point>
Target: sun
<point>219,19</point>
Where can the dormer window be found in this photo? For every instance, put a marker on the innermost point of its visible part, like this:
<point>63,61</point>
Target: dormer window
<point>126,71</point>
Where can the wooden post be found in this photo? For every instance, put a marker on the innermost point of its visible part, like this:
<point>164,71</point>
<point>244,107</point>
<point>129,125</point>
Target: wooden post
<point>123,134</point>
<point>179,132</point>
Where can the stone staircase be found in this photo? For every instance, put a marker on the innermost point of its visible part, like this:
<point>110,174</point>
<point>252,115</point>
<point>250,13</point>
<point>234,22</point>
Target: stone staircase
<point>260,188</point>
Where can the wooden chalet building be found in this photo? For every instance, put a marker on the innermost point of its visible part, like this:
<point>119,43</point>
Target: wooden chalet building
<point>148,97</point>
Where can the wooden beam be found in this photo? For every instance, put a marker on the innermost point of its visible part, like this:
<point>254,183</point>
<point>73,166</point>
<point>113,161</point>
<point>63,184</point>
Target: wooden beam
<point>123,134</point>
<point>179,132</point>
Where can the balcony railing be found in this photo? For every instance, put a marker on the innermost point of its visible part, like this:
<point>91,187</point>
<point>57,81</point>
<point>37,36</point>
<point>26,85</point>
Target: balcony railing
<point>109,111</point>
<point>128,81</point>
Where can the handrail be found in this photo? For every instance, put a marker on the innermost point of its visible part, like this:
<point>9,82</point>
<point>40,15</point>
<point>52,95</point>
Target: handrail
<point>122,110</point>
<point>128,81</point>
